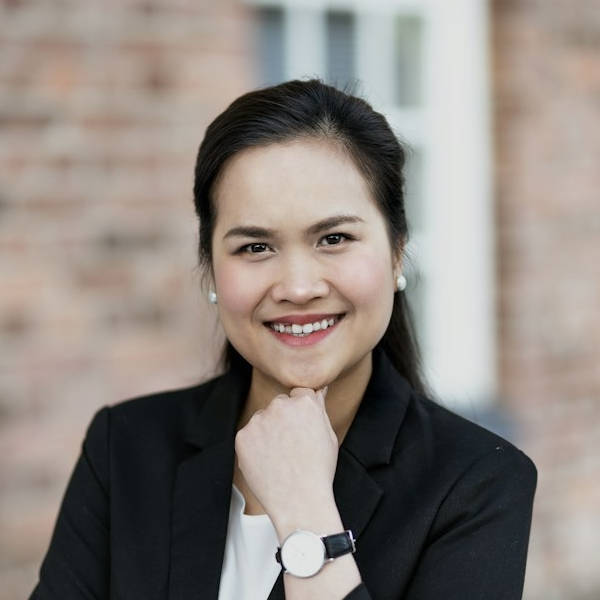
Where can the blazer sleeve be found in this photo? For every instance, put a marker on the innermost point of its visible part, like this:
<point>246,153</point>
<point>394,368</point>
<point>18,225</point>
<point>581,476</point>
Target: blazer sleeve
<point>477,547</point>
<point>77,562</point>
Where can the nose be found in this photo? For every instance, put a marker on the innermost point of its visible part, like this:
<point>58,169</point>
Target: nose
<point>299,281</point>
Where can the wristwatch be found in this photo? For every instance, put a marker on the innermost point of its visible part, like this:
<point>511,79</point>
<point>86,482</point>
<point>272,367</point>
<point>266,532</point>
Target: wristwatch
<point>303,553</point>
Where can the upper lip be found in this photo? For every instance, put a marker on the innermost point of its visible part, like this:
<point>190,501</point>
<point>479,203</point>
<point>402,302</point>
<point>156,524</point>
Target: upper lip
<point>303,319</point>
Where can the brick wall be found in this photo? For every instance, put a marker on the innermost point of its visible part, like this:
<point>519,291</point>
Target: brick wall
<point>547,109</point>
<point>102,108</point>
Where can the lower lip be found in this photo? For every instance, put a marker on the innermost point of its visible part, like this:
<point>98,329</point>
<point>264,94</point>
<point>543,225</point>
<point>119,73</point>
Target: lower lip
<point>304,340</point>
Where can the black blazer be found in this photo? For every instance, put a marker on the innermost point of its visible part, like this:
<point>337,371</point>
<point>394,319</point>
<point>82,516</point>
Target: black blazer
<point>440,507</point>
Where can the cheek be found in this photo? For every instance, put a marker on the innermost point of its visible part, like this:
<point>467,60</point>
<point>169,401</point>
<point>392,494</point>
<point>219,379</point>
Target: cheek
<point>367,281</point>
<point>231,292</point>
<point>238,289</point>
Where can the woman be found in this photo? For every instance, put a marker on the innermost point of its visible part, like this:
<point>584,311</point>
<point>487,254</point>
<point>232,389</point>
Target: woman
<point>315,467</point>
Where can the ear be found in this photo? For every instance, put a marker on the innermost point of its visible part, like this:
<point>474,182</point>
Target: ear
<point>397,262</point>
<point>207,280</point>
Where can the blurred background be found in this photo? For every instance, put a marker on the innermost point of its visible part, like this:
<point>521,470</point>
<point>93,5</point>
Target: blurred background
<point>102,108</point>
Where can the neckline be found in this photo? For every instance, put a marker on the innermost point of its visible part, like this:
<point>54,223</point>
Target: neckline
<point>240,503</point>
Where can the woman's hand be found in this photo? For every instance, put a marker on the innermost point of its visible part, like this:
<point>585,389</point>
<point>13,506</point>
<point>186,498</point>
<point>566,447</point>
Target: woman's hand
<point>287,453</point>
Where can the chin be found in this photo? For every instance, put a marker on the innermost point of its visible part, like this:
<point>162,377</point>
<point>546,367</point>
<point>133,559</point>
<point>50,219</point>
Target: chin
<point>309,378</point>
<point>315,384</point>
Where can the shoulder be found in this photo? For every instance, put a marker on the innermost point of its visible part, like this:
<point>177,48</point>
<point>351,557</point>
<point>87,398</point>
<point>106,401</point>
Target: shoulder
<point>150,419</point>
<point>458,450</point>
<point>428,444</point>
<point>459,437</point>
<point>158,406</point>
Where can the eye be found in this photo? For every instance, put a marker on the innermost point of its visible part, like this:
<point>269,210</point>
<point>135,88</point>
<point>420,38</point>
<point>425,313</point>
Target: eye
<point>334,239</point>
<point>254,248</point>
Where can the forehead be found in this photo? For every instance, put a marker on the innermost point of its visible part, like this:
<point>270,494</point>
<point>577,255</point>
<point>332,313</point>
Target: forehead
<point>293,181</point>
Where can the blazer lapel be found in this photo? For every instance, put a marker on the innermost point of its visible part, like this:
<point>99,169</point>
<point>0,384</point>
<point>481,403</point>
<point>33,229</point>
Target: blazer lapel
<point>356,495</point>
<point>278,589</point>
<point>368,444</point>
<point>202,491</point>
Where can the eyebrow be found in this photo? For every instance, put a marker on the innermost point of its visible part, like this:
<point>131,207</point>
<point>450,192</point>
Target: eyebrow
<point>252,231</point>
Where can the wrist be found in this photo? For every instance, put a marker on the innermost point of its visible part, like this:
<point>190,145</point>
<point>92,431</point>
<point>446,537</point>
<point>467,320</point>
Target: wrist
<point>319,515</point>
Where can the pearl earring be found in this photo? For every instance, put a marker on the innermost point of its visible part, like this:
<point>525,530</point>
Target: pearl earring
<point>212,297</point>
<point>401,283</point>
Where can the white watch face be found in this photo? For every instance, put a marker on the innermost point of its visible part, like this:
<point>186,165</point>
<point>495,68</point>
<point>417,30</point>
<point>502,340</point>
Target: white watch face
<point>303,553</point>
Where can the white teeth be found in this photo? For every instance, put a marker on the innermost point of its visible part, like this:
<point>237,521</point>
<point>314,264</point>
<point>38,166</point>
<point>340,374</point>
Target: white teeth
<point>306,329</point>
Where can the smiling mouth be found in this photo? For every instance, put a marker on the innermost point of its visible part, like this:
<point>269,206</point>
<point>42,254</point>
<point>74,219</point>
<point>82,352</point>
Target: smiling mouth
<point>297,330</point>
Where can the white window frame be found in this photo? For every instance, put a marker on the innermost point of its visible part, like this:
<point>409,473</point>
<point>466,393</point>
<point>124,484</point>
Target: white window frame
<point>455,251</point>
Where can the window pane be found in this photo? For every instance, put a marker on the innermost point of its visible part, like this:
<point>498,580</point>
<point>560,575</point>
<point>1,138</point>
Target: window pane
<point>340,48</point>
<point>409,68</point>
<point>413,194</point>
<point>270,45</point>
<point>415,296</point>
<point>413,199</point>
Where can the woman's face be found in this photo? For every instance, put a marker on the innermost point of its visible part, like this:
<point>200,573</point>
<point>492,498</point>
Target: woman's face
<point>302,263</point>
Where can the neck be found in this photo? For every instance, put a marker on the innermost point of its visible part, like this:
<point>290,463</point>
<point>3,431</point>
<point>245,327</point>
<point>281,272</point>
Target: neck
<point>344,395</point>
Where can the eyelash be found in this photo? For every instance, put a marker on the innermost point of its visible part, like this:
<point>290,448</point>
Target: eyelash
<point>342,236</point>
<point>247,248</point>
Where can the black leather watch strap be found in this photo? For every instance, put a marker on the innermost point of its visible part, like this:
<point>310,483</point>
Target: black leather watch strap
<point>339,544</point>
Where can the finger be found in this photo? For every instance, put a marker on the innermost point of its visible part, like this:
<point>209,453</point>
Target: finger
<point>276,400</point>
<point>255,416</point>
<point>302,391</point>
<point>321,395</point>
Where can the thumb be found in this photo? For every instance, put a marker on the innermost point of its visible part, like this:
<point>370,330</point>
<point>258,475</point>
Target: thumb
<point>322,394</point>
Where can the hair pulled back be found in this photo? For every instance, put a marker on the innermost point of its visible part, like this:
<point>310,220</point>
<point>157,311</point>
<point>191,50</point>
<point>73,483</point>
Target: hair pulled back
<point>312,109</point>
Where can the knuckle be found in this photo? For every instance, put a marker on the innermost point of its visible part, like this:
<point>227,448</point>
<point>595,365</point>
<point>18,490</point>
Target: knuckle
<point>300,391</point>
<point>239,439</point>
<point>304,395</point>
<point>279,401</point>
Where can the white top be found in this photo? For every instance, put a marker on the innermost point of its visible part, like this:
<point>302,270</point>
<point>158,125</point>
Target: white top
<point>249,566</point>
